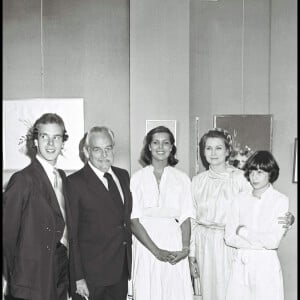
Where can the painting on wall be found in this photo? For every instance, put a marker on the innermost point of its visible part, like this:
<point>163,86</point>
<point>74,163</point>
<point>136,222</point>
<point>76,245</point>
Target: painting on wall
<point>18,118</point>
<point>171,124</point>
<point>249,133</point>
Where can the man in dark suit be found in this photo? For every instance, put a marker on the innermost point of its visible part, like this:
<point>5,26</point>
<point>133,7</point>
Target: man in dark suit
<point>35,220</point>
<point>100,203</point>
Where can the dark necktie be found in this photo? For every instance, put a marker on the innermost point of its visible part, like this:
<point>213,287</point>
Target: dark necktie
<point>113,189</point>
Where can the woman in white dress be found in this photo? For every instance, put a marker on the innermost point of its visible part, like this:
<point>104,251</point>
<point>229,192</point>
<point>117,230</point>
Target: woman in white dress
<point>213,191</point>
<point>253,230</point>
<point>162,208</point>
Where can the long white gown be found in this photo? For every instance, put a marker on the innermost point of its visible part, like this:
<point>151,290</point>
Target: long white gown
<point>256,272</point>
<point>212,195</point>
<point>161,211</point>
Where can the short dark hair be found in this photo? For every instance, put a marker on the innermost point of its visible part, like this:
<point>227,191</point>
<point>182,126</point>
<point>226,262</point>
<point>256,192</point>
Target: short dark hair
<point>146,156</point>
<point>49,118</point>
<point>262,160</point>
<point>215,133</point>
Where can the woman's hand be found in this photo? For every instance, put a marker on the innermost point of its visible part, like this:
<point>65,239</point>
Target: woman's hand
<point>163,255</point>
<point>179,255</point>
<point>287,220</point>
<point>194,269</point>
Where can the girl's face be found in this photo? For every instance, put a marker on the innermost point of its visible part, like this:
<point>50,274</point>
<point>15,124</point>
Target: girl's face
<point>161,146</point>
<point>259,179</point>
<point>215,151</point>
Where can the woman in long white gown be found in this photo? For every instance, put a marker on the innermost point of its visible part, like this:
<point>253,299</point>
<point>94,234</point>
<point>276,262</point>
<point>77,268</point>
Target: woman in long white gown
<point>213,191</point>
<point>162,208</point>
<point>253,230</point>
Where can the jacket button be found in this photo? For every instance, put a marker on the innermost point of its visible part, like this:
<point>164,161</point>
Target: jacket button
<point>124,224</point>
<point>124,243</point>
<point>48,248</point>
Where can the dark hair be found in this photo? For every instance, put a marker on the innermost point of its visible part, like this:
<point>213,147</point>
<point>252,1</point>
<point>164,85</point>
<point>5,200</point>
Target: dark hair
<point>215,133</point>
<point>146,156</point>
<point>49,118</point>
<point>263,160</point>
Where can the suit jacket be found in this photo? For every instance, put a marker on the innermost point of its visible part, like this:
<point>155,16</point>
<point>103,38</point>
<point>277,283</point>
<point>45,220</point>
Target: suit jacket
<point>32,226</point>
<point>101,227</point>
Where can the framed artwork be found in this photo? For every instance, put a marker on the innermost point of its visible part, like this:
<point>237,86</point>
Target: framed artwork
<point>295,169</point>
<point>249,133</point>
<point>171,124</point>
<point>20,115</point>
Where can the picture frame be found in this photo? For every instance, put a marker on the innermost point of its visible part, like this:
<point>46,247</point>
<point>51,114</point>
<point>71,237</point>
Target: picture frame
<point>171,124</point>
<point>249,133</point>
<point>18,118</point>
<point>252,130</point>
<point>295,167</point>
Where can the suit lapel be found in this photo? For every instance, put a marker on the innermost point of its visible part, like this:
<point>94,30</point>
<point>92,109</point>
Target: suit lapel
<point>97,186</point>
<point>123,185</point>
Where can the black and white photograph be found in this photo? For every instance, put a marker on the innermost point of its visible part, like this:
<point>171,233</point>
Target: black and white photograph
<point>149,150</point>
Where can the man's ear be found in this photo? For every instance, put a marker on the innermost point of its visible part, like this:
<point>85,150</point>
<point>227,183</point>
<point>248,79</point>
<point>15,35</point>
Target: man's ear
<point>86,153</point>
<point>35,142</point>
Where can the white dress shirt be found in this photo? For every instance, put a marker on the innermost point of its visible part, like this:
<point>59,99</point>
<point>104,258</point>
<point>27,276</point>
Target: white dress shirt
<point>100,175</point>
<point>49,169</point>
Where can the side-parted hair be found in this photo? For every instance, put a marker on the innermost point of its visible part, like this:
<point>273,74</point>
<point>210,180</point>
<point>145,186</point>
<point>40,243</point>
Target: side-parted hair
<point>49,118</point>
<point>215,133</point>
<point>98,129</point>
<point>262,160</point>
<point>146,156</point>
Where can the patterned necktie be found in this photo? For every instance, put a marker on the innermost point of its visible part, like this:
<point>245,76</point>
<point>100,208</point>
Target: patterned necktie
<point>59,192</point>
<point>113,189</point>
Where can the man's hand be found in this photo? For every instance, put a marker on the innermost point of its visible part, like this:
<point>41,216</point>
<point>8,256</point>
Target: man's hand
<point>82,289</point>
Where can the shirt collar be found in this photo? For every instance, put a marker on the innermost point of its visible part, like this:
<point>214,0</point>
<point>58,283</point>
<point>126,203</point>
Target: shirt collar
<point>98,172</point>
<point>48,167</point>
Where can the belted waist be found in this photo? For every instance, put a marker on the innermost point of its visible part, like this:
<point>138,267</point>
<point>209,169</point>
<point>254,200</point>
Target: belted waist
<point>211,225</point>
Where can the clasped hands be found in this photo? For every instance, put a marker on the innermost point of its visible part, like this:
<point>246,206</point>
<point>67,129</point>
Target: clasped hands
<point>172,257</point>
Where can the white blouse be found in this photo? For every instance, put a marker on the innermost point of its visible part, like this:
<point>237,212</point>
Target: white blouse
<point>213,193</point>
<point>260,217</point>
<point>171,199</point>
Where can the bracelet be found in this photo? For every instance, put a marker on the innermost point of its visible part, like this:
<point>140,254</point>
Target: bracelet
<point>186,248</point>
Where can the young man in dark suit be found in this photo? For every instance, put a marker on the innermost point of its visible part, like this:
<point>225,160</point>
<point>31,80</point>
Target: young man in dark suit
<point>100,203</point>
<point>35,220</point>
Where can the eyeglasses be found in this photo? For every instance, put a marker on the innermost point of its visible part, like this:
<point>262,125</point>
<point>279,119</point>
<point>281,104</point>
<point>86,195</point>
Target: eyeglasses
<point>106,150</point>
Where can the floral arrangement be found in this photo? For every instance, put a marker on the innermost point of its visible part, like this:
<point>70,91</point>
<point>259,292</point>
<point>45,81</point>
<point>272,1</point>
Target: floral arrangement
<point>238,155</point>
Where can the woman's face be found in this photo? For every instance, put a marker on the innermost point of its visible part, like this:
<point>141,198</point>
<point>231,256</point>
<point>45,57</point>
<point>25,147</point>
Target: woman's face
<point>160,146</point>
<point>259,179</point>
<point>215,151</point>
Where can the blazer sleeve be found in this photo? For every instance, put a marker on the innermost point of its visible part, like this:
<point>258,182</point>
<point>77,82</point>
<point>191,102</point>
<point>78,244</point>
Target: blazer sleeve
<point>15,198</point>
<point>74,205</point>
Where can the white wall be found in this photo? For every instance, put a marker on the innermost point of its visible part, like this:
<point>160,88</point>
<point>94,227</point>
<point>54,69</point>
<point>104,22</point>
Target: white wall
<point>159,71</point>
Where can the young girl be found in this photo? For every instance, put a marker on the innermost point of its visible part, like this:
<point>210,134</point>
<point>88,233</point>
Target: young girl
<point>253,229</point>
